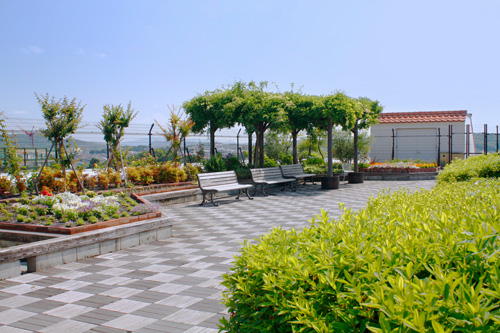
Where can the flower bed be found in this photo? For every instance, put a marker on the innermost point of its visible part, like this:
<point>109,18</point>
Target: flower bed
<point>400,167</point>
<point>68,213</point>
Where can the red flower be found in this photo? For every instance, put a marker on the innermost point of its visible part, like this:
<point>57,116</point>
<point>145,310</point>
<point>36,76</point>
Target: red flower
<point>47,193</point>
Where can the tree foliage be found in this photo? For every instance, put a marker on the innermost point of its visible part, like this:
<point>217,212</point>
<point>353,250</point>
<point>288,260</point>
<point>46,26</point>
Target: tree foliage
<point>208,111</point>
<point>176,130</point>
<point>62,118</point>
<point>114,121</point>
<point>12,162</point>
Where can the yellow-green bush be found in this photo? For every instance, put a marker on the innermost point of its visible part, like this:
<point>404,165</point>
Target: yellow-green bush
<point>481,166</point>
<point>409,262</point>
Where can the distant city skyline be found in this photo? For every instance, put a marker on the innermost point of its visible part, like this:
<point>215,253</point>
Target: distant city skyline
<point>411,56</point>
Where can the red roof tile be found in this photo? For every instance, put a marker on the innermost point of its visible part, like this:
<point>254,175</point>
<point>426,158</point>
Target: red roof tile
<point>422,117</point>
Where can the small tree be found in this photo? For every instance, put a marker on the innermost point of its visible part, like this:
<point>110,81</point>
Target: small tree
<point>12,162</point>
<point>343,145</point>
<point>62,118</point>
<point>115,120</point>
<point>176,130</point>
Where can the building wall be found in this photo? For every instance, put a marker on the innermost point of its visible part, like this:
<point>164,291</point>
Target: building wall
<point>416,141</point>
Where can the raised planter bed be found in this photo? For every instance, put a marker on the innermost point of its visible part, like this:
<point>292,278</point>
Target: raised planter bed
<point>400,173</point>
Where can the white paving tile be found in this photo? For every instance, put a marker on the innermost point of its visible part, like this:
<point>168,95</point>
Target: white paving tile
<point>129,322</point>
<point>204,273</point>
<point>13,315</point>
<point>179,301</point>
<point>21,289</point>
<point>115,271</point>
<point>113,263</point>
<point>66,326</point>
<point>170,288</point>
<point>69,297</point>
<point>72,275</point>
<point>26,278</point>
<point>8,329</point>
<point>71,285</point>
<point>68,311</point>
<point>187,316</point>
<point>157,268</point>
<point>17,301</point>
<point>121,292</point>
<point>163,277</point>
<point>125,306</point>
<point>117,280</point>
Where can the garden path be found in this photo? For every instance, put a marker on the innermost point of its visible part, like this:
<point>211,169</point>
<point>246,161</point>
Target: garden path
<point>171,285</point>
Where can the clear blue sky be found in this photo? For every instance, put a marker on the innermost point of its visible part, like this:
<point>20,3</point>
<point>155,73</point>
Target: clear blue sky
<point>409,55</point>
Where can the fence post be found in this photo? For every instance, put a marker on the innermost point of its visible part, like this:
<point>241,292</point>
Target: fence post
<point>152,125</point>
<point>393,139</point>
<point>467,141</point>
<point>449,142</point>
<point>497,138</point>
<point>439,146</point>
<point>485,139</point>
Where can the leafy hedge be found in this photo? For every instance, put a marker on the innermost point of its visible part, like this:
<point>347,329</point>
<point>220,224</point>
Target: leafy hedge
<point>409,262</point>
<point>482,166</point>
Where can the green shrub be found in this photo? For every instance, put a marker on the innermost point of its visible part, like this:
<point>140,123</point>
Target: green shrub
<point>93,219</point>
<point>409,262</point>
<point>270,163</point>
<point>482,166</point>
<point>214,164</point>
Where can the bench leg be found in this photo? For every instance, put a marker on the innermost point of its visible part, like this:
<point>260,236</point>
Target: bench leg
<point>261,188</point>
<point>212,199</point>
<point>245,190</point>
<point>205,199</point>
<point>293,187</point>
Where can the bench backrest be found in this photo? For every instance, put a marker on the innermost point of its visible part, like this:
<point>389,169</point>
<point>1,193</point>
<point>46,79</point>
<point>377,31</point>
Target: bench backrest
<point>266,174</point>
<point>216,178</point>
<point>292,170</point>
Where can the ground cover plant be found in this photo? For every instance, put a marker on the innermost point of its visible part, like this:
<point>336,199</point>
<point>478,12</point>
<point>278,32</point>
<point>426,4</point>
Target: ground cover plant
<point>408,262</point>
<point>70,210</point>
<point>482,166</point>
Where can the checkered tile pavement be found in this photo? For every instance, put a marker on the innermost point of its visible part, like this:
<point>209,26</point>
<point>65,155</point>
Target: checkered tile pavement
<point>171,285</point>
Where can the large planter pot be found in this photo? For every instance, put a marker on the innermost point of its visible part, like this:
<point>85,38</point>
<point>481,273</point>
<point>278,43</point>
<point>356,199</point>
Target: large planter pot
<point>330,183</point>
<point>355,177</point>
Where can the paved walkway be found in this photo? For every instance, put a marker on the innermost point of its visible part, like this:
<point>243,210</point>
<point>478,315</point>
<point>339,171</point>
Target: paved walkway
<point>171,285</point>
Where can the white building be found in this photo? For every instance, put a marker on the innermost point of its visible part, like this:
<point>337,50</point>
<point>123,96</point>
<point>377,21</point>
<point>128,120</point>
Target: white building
<point>427,136</point>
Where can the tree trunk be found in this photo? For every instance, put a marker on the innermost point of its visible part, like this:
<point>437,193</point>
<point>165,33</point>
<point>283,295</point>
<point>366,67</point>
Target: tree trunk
<point>330,148</point>
<point>212,141</point>
<point>356,146</point>
<point>294,144</point>
<point>261,152</point>
<point>250,148</point>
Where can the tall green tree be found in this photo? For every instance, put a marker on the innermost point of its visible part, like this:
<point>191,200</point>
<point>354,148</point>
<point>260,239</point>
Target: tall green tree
<point>258,111</point>
<point>329,111</point>
<point>176,130</point>
<point>298,111</point>
<point>364,113</point>
<point>208,112</point>
<point>62,118</point>
<point>115,119</point>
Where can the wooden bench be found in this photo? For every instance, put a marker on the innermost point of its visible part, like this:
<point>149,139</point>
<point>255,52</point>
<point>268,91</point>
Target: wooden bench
<point>296,171</point>
<point>270,176</point>
<point>214,182</point>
